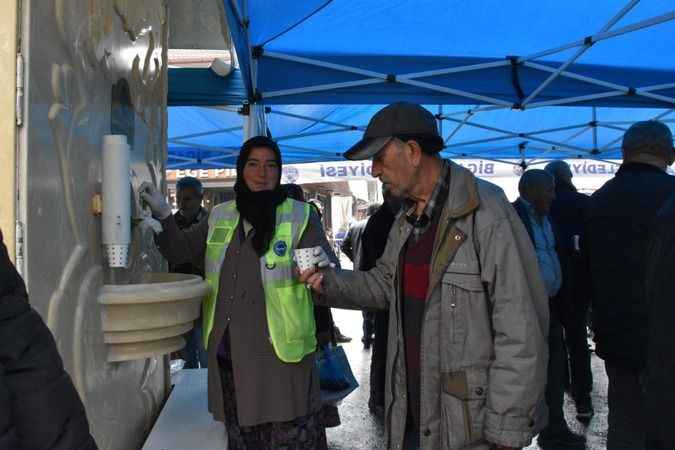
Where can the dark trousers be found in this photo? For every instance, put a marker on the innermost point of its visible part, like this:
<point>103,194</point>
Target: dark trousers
<point>411,440</point>
<point>555,385</point>
<point>579,355</point>
<point>368,324</point>
<point>378,362</point>
<point>627,412</point>
<point>194,354</point>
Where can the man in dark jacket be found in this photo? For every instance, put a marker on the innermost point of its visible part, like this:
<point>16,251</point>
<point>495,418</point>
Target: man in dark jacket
<point>352,247</point>
<point>189,196</point>
<point>568,213</point>
<point>661,349</point>
<point>621,216</point>
<point>373,242</point>
<point>39,407</point>
<point>537,192</point>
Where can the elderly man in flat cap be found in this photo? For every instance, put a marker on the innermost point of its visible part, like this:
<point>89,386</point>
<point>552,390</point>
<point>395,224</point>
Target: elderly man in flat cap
<point>468,311</point>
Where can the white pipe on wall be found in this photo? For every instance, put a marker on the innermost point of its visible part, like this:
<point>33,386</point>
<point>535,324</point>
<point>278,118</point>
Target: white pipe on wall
<point>116,193</point>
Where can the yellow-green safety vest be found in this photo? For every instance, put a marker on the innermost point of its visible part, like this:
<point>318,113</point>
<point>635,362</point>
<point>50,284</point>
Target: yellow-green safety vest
<point>288,303</point>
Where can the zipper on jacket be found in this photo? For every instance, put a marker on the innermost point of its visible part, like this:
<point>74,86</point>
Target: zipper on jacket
<point>399,327</point>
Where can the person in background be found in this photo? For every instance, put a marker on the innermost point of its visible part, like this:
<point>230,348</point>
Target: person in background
<point>39,406</point>
<point>259,320</point>
<point>660,369</point>
<point>621,219</point>
<point>537,192</point>
<point>189,196</point>
<point>468,313</point>
<point>338,337</point>
<point>373,243</point>
<point>295,192</point>
<point>568,213</point>
<point>352,247</point>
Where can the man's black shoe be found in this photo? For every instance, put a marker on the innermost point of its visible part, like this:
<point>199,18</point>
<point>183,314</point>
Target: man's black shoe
<point>564,440</point>
<point>339,337</point>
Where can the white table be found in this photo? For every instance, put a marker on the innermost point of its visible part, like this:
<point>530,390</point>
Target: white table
<point>185,422</point>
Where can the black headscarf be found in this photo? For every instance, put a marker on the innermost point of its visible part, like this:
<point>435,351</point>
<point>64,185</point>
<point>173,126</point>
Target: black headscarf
<point>259,208</point>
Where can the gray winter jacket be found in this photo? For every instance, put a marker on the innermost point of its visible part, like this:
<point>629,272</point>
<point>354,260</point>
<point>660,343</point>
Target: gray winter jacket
<point>483,346</point>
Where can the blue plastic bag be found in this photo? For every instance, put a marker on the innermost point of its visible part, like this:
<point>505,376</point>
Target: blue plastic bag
<point>335,374</point>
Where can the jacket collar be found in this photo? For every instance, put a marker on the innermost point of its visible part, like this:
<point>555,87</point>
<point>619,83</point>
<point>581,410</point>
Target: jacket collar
<point>639,167</point>
<point>463,194</point>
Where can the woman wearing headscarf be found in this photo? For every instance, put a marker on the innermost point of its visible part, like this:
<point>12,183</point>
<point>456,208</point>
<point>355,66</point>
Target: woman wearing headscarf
<point>259,323</point>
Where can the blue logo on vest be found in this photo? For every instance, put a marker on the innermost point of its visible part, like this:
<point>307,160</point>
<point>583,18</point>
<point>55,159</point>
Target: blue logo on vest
<point>280,248</point>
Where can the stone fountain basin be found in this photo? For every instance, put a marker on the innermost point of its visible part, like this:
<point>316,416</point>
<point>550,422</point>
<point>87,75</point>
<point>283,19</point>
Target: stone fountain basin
<point>149,318</point>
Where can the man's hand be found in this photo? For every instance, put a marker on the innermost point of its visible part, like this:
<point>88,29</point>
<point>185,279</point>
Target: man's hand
<point>154,198</point>
<point>313,278</point>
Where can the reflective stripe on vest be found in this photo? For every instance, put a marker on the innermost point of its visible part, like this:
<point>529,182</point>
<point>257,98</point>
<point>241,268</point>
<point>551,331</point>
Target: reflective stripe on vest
<point>288,303</point>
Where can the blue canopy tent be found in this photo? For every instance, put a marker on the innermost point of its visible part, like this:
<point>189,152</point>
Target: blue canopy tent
<point>323,67</point>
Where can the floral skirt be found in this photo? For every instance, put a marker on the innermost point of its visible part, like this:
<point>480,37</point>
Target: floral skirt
<point>303,433</point>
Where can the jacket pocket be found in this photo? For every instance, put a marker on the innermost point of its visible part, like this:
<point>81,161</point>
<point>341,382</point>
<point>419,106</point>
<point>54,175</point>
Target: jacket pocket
<point>460,292</point>
<point>463,407</point>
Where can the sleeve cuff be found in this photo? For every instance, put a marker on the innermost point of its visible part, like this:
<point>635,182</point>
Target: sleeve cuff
<point>509,431</point>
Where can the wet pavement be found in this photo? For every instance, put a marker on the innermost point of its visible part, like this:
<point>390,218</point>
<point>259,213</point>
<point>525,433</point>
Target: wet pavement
<point>360,430</point>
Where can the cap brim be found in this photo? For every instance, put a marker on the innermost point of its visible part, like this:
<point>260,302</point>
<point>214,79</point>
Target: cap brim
<point>366,148</point>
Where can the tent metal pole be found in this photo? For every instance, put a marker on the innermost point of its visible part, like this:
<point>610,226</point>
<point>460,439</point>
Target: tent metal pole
<point>620,15</point>
<point>594,126</point>
<point>457,92</point>
<point>576,76</point>
<point>555,74</point>
<point>557,144</point>
<point>663,98</point>
<point>326,65</point>
<point>321,87</point>
<point>204,147</point>
<point>459,126</point>
<point>314,133</point>
<point>450,70</point>
<point>312,119</point>
<point>439,120</point>
<point>602,35</point>
<point>577,134</point>
<point>612,127</point>
<point>664,114</point>
<point>481,141</point>
<point>221,108</point>
<point>658,87</point>
<point>255,122</point>
<point>580,51</point>
<point>529,133</point>
<point>581,98</point>
<point>313,150</point>
<point>635,26</point>
<point>552,51</point>
<point>183,158</point>
<point>490,108</point>
<point>612,142</point>
<point>206,133</point>
<point>489,150</point>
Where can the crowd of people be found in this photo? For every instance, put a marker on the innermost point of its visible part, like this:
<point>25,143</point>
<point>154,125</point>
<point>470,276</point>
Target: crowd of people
<point>476,309</point>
